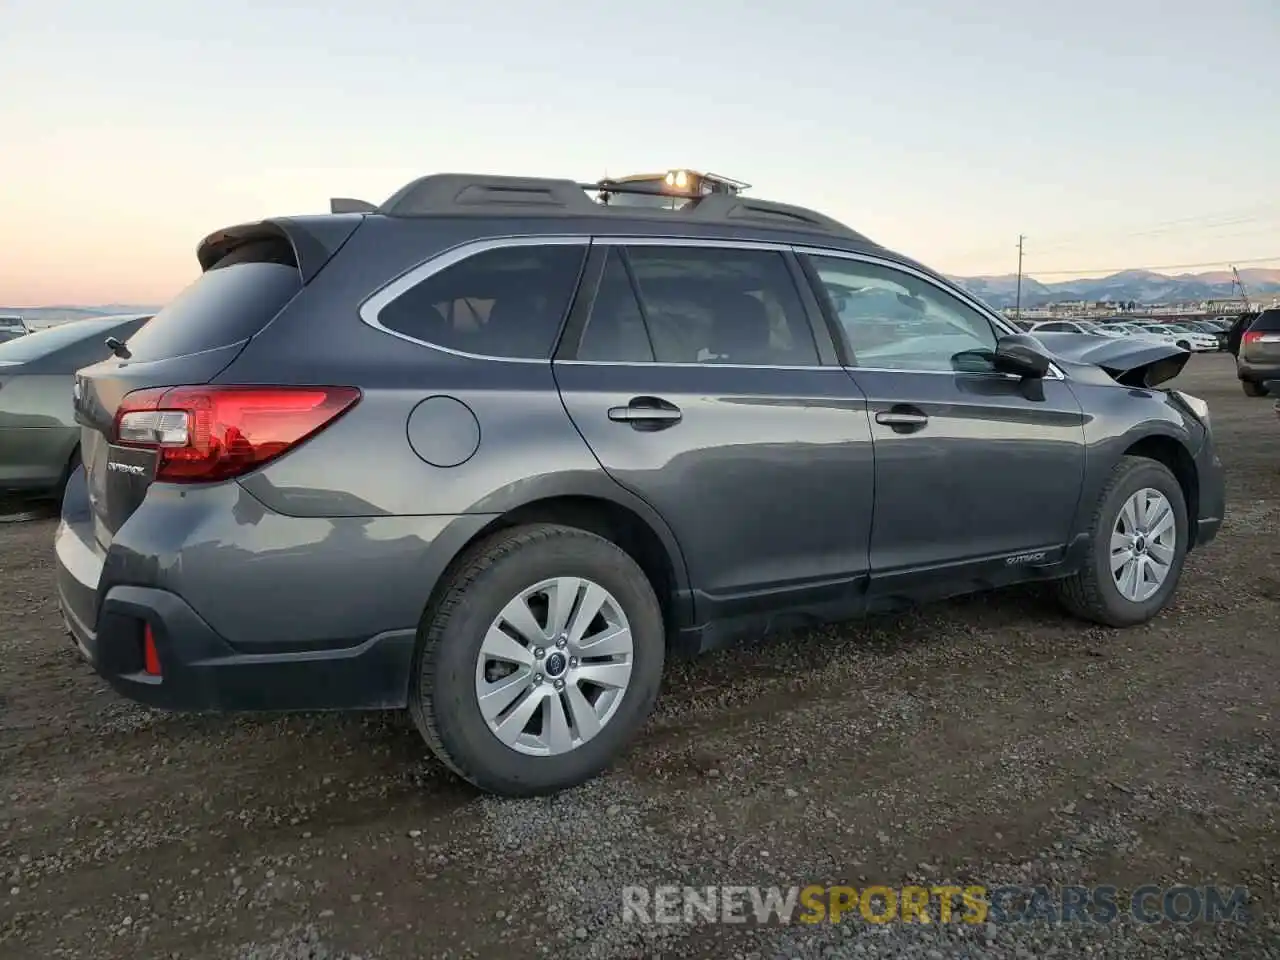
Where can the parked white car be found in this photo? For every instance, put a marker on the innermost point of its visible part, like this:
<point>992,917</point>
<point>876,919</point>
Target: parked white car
<point>1184,337</point>
<point>1063,326</point>
<point>1131,330</point>
<point>1113,331</point>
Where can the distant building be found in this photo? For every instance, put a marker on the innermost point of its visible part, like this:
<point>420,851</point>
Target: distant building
<point>1235,305</point>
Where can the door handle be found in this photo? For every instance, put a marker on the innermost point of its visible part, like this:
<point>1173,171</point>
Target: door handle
<point>647,413</point>
<point>902,419</point>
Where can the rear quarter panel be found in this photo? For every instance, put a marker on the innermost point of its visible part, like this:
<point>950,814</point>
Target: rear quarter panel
<point>364,464</point>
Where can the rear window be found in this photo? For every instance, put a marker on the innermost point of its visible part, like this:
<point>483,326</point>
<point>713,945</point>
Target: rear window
<point>228,304</point>
<point>34,346</point>
<point>1268,320</point>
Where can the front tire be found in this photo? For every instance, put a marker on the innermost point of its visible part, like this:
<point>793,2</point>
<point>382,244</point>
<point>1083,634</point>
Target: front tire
<point>1138,542</point>
<point>1253,389</point>
<point>539,661</point>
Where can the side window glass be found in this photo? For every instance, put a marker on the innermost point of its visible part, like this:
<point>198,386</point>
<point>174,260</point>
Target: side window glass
<point>895,321</point>
<point>505,302</point>
<point>710,305</point>
<point>615,329</point>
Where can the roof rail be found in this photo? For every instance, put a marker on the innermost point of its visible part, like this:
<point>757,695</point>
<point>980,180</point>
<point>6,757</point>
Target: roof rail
<point>461,194</point>
<point>455,193</point>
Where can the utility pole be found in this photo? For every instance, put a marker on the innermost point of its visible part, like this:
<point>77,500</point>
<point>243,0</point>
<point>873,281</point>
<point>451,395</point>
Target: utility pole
<point>1017,310</point>
<point>1237,282</point>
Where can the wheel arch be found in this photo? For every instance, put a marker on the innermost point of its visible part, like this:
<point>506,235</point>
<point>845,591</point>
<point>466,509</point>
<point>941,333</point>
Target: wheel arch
<point>625,521</point>
<point>1170,451</point>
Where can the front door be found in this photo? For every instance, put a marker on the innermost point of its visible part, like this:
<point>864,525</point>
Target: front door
<point>694,377</point>
<point>978,474</point>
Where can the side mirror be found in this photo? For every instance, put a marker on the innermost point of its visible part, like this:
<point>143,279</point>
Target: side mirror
<point>1020,355</point>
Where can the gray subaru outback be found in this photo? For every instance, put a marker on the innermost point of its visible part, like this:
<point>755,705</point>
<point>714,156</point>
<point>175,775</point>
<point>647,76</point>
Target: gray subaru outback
<point>495,449</point>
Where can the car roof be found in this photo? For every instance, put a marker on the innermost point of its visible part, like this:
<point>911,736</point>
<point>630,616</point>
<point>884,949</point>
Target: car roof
<point>480,195</point>
<point>504,206</point>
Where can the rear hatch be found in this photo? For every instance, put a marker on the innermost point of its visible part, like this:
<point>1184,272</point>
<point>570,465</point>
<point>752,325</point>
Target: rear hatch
<point>251,273</point>
<point>1261,344</point>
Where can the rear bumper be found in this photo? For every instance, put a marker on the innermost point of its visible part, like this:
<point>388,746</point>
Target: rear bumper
<point>320,625</point>
<point>108,597</point>
<point>201,671</point>
<point>1257,372</point>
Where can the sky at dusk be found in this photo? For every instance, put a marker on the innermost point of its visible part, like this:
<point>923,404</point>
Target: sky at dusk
<point>1126,133</point>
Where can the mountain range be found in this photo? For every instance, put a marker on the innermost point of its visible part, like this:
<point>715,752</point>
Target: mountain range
<point>1141,286</point>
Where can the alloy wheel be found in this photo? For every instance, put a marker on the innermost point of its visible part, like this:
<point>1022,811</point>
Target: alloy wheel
<point>1143,544</point>
<point>554,666</point>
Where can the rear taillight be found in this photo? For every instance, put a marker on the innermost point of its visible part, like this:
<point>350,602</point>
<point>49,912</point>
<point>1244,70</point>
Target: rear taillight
<point>1253,336</point>
<point>203,434</point>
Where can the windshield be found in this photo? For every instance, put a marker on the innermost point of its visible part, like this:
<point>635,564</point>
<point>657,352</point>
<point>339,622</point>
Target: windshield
<point>43,342</point>
<point>1086,324</point>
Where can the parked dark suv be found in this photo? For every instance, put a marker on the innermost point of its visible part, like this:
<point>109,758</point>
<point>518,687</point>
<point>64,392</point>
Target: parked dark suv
<point>493,449</point>
<point>1259,358</point>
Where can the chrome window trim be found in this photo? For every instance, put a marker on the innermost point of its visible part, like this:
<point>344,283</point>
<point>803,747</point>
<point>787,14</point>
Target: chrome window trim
<point>373,305</point>
<point>711,243</point>
<point>698,365</point>
<point>439,262</point>
<point>998,322</point>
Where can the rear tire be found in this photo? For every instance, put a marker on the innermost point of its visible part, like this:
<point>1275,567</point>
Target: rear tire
<point>444,697</point>
<point>1253,389</point>
<point>1093,593</point>
<point>1184,345</point>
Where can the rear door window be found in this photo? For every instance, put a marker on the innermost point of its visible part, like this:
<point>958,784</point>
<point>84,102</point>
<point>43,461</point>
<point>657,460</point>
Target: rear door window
<point>506,302</point>
<point>615,331</point>
<point>721,305</point>
<point>228,304</point>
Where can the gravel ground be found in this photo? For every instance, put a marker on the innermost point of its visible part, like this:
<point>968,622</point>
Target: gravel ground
<point>988,740</point>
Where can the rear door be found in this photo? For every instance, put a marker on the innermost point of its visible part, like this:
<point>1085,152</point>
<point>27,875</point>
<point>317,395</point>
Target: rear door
<point>188,342</point>
<point>695,377</point>
<point>974,472</point>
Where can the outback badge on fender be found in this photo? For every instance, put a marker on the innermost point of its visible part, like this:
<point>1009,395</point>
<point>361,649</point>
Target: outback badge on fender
<point>1021,558</point>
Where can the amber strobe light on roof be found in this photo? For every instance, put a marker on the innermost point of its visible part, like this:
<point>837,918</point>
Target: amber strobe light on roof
<point>680,182</point>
